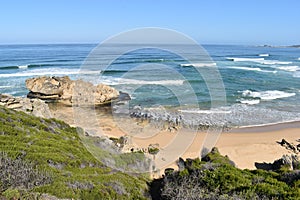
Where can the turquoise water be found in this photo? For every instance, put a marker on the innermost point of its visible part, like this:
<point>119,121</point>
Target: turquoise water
<point>262,84</point>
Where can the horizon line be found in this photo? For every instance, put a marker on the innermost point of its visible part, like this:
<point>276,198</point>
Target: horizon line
<point>97,43</point>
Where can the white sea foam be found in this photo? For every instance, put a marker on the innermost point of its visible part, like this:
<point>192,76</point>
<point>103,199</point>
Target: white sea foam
<point>124,81</point>
<point>296,74</point>
<point>198,65</point>
<point>48,71</point>
<point>206,111</point>
<point>250,102</point>
<point>252,69</point>
<point>5,86</point>
<point>261,60</point>
<point>264,55</point>
<point>23,66</point>
<point>289,68</point>
<point>143,82</point>
<point>273,62</point>
<point>299,58</point>
<point>245,59</point>
<point>267,95</point>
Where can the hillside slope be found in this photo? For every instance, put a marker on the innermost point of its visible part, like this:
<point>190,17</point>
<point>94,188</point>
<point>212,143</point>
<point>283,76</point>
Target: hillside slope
<point>46,156</point>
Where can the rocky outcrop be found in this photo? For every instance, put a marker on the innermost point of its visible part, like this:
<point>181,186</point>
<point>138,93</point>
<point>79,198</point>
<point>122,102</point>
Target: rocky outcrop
<point>295,148</point>
<point>70,92</point>
<point>36,107</point>
<point>290,162</point>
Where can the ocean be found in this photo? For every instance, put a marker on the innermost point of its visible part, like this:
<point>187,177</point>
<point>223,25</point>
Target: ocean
<point>262,84</point>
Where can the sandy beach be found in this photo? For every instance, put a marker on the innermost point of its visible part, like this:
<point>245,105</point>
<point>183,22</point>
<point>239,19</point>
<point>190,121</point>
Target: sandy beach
<point>244,146</point>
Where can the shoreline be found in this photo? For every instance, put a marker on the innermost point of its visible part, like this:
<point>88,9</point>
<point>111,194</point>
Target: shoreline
<point>244,146</point>
<point>266,127</point>
<point>106,110</point>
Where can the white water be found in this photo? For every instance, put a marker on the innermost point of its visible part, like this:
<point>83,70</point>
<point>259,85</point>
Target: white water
<point>274,62</point>
<point>124,81</point>
<point>5,86</point>
<point>245,59</point>
<point>267,95</point>
<point>198,65</point>
<point>23,66</point>
<point>48,71</point>
<point>289,68</point>
<point>250,102</point>
<point>252,69</point>
<point>263,55</point>
<point>205,111</point>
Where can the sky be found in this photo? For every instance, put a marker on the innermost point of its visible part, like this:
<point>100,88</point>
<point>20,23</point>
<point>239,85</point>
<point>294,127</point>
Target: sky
<point>207,21</point>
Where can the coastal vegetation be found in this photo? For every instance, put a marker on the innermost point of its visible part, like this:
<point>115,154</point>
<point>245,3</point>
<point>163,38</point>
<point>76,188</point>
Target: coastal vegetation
<point>46,156</point>
<point>216,177</point>
<point>42,158</point>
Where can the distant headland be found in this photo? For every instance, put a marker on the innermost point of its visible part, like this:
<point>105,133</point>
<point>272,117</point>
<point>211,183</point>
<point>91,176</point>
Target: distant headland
<point>279,46</point>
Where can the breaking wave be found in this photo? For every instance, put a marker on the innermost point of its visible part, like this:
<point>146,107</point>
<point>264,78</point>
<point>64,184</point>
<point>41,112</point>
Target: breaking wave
<point>47,71</point>
<point>249,102</point>
<point>263,55</point>
<point>274,62</point>
<point>237,115</point>
<point>289,68</point>
<point>252,69</point>
<point>124,81</point>
<point>199,65</point>
<point>245,59</point>
<point>267,95</point>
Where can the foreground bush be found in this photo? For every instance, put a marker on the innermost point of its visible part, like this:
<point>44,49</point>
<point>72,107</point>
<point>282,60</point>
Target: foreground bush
<point>20,174</point>
<point>217,178</point>
<point>46,156</point>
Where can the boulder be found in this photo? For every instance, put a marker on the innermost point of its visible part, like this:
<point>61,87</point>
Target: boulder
<point>70,92</point>
<point>290,162</point>
<point>181,164</point>
<point>36,107</point>
<point>40,108</point>
<point>290,146</point>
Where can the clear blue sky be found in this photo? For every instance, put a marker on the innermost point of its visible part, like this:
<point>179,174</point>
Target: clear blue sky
<point>207,21</point>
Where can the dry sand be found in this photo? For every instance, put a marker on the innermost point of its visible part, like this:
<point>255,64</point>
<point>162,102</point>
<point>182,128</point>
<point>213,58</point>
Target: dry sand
<point>244,146</point>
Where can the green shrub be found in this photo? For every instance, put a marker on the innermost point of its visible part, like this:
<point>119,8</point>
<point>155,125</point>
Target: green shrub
<point>11,194</point>
<point>216,178</point>
<point>49,147</point>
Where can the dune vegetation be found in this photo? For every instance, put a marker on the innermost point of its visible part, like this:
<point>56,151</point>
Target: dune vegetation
<point>216,177</point>
<point>46,157</point>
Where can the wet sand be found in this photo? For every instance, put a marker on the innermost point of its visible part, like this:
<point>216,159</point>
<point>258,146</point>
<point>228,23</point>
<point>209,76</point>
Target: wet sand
<point>244,146</point>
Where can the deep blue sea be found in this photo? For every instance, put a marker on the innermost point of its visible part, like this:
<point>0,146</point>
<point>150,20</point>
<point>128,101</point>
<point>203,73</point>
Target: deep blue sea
<point>262,84</point>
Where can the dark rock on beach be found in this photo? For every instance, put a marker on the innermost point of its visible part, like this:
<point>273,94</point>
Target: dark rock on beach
<point>290,162</point>
<point>290,146</point>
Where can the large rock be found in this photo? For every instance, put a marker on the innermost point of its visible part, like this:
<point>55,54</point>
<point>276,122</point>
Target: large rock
<point>36,107</point>
<point>290,162</point>
<point>295,148</point>
<point>65,90</point>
